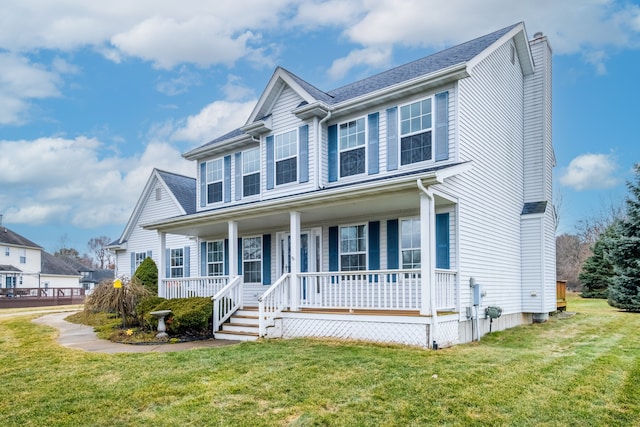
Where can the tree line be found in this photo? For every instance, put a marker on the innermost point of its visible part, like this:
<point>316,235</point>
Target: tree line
<point>98,257</point>
<point>602,260</point>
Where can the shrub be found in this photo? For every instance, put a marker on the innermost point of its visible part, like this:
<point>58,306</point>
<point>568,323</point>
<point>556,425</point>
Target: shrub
<point>189,316</point>
<point>146,306</point>
<point>147,274</point>
<point>123,300</point>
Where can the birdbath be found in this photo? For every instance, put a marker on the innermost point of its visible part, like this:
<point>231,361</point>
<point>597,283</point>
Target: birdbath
<point>161,326</point>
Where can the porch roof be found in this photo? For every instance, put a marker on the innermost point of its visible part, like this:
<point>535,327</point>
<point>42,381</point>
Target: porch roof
<point>396,194</point>
<point>9,269</point>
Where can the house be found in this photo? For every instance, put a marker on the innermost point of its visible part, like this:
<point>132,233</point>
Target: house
<point>25,265</point>
<point>413,206</point>
<point>90,276</point>
<point>165,195</point>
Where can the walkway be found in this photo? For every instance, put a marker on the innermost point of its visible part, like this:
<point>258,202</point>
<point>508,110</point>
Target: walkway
<point>83,337</point>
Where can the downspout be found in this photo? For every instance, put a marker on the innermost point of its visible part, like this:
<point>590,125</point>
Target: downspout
<point>431,266</point>
<point>319,145</point>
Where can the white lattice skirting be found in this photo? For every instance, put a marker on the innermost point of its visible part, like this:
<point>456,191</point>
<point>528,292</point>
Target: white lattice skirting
<point>407,331</point>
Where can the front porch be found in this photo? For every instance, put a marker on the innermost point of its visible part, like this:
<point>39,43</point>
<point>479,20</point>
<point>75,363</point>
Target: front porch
<point>381,305</point>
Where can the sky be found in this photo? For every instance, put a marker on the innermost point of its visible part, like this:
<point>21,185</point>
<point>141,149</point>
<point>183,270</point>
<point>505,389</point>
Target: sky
<point>94,95</point>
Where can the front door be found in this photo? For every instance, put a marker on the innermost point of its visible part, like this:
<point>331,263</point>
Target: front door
<point>310,253</point>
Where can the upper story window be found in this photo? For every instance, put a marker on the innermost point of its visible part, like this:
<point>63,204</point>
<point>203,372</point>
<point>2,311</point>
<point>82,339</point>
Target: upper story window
<point>353,248</point>
<point>410,243</point>
<point>177,262</point>
<point>7,251</point>
<point>352,148</point>
<point>214,180</point>
<point>215,258</point>
<point>416,132</point>
<point>23,257</point>
<point>251,172</point>
<point>286,157</point>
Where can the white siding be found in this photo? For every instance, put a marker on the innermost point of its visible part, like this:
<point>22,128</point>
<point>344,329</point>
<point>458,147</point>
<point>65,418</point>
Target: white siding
<point>490,194</point>
<point>533,295</point>
<point>30,268</point>
<point>56,281</point>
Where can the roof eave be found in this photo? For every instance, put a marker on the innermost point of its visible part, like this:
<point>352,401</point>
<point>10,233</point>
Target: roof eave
<point>308,111</point>
<point>209,150</point>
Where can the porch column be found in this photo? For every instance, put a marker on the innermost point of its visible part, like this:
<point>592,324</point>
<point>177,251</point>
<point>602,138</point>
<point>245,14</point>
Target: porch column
<point>428,255</point>
<point>295,259</point>
<point>233,249</point>
<point>162,270</point>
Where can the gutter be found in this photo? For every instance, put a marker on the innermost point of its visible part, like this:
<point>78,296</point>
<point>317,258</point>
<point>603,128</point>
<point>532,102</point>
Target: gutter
<point>430,270</point>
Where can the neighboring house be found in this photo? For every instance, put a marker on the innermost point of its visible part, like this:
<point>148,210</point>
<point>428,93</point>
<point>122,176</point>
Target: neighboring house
<point>165,195</point>
<point>90,277</point>
<point>397,208</point>
<point>24,264</point>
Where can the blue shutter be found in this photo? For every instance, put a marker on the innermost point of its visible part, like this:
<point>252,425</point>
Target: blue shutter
<point>374,245</point>
<point>392,138</point>
<point>167,262</point>
<point>227,179</point>
<point>187,261</point>
<point>240,256</point>
<point>303,137</point>
<point>238,175</point>
<point>203,259</point>
<point>270,163</point>
<point>226,257</point>
<point>442,241</point>
<point>442,126</point>
<point>393,244</point>
<point>333,249</point>
<point>374,143</point>
<point>133,263</point>
<point>332,137</point>
<point>266,259</point>
<point>203,184</point>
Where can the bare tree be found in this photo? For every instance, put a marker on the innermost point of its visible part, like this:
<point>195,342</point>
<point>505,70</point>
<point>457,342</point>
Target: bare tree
<point>98,246</point>
<point>571,252</point>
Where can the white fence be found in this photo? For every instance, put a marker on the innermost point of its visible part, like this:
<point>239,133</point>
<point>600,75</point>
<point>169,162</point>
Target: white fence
<point>187,287</point>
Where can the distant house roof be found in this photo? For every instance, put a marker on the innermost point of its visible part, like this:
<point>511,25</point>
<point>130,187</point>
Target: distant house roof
<point>9,269</point>
<point>183,188</point>
<point>444,59</point>
<point>8,237</point>
<point>55,266</point>
<point>534,208</point>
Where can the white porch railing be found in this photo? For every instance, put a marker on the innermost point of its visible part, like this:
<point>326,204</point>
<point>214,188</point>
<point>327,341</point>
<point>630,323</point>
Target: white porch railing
<point>446,290</point>
<point>226,302</point>
<point>374,290</point>
<point>187,287</point>
<point>273,301</point>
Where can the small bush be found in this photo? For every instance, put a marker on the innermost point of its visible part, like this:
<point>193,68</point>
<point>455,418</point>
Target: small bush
<point>146,306</point>
<point>147,274</point>
<point>189,316</point>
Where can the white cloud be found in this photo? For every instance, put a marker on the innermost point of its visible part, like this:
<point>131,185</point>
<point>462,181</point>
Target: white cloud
<point>184,80</point>
<point>590,172</point>
<point>234,90</point>
<point>376,57</point>
<point>21,81</point>
<point>213,121</point>
<point>81,186</point>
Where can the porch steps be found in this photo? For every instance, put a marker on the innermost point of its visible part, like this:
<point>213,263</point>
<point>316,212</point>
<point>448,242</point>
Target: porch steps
<point>242,326</point>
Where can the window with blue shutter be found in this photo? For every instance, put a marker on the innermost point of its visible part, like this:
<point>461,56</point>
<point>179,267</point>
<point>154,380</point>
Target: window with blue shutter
<point>374,245</point>
<point>227,178</point>
<point>251,172</point>
<point>226,256</point>
<point>393,244</point>
<point>332,140</point>
<point>352,147</point>
<point>133,263</point>
<point>270,163</point>
<point>238,181</point>
<point>374,138</point>
<point>266,259</point>
<point>203,185</point>
<point>442,126</point>
<point>442,241</point>
<point>303,137</point>
<point>333,249</point>
<point>203,259</point>
<point>167,261</point>
<point>187,261</point>
<point>392,139</point>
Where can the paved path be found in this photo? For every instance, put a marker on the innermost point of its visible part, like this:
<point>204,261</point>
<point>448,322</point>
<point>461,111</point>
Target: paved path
<point>83,337</point>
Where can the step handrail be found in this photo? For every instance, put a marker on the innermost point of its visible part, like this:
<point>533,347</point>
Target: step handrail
<point>226,302</point>
<point>272,302</point>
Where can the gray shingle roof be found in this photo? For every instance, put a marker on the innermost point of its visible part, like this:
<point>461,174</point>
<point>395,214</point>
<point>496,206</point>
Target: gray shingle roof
<point>10,238</point>
<point>438,61</point>
<point>183,188</point>
<point>10,269</point>
<point>52,265</point>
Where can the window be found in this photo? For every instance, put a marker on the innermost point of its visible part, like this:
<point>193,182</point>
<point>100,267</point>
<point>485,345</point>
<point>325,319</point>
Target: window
<point>10,282</point>
<point>252,259</point>
<point>215,258</point>
<point>410,243</point>
<point>352,148</point>
<point>286,146</point>
<point>214,181</point>
<point>158,194</point>
<point>353,248</point>
<point>23,257</point>
<point>415,132</point>
<point>140,256</point>
<point>7,251</point>
<point>177,262</point>
<point>251,172</point>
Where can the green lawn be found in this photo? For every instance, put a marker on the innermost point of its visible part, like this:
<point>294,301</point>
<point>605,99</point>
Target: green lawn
<point>584,370</point>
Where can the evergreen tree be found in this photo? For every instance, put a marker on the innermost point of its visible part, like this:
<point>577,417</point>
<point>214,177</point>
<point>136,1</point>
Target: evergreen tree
<point>147,274</point>
<point>624,254</point>
<point>597,271</point>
